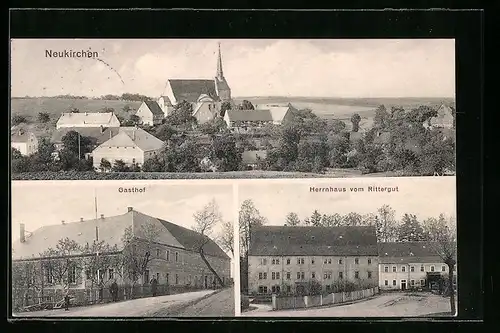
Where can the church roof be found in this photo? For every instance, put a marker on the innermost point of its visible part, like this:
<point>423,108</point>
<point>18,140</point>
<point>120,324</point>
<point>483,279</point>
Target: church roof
<point>190,90</point>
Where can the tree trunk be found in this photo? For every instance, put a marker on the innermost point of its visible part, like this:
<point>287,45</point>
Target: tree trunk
<point>202,255</point>
<point>451,288</point>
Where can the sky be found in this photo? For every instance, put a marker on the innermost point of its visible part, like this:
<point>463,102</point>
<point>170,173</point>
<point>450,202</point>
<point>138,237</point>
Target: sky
<point>253,67</point>
<point>56,201</point>
<point>423,196</point>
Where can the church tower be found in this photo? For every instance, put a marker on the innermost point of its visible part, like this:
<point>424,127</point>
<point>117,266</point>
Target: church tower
<point>221,86</point>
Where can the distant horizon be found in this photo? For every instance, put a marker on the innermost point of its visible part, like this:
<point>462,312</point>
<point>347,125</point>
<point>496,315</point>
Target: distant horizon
<point>264,96</point>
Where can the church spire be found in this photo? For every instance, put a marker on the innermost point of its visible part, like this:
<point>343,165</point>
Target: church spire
<point>220,74</point>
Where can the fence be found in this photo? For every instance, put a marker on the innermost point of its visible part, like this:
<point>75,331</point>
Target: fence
<point>32,301</point>
<point>294,302</point>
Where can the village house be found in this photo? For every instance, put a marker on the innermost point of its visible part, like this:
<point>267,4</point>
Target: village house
<point>242,121</point>
<point>174,261</point>
<point>97,134</point>
<point>287,259</point>
<point>279,113</point>
<point>205,95</point>
<point>88,119</point>
<point>150,113</point>
<point>409,265</point>
<point>24,141</point>
<point>131,145</point>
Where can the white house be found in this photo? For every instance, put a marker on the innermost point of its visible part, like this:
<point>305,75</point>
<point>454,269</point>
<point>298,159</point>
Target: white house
<point>132,145</point>
<point>24,141</point>
<point>279,113</point>
<point>406,265</point>
<point>88,119</point>
<point>150,113</point>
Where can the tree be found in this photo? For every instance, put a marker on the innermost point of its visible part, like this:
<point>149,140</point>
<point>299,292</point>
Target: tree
<point>292,220</point>
<point>410,229</point>
<point>333,220</point>
<point>433,227</point>
<point>355,119</point>
<point>120,166</point>
<point>213,126</point>
<point>184,157</point>
<point>352,220</point>
<point>206,220</point>
<point>249,218</point>
<point>137,253</point>
<point>15,153</point>
<point>135,120</point>
<point>338,147</point>
<point>153,164</point>
<point>315,219</point>
<point>43,117</point>
<point>164,132</point>
<point>246,105</point>
<point>226,237</point>
<point>382,117</point>
<point>386,224</point>
<point>226,105</point>
<point>337,126</point>
<point>60,263</point>
<point>105,165</point>
<point>224,154</point>
<point>445,246</point>
<point>182,114</point>
<point>126,108</point>
<point>107,109</point>
<point>27,277</point>
<point>18,119</point>
<point>77,144</point>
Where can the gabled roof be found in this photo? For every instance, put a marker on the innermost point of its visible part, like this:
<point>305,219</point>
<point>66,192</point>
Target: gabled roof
<point>408,252</point>
<point>134,137</point>
<point>191,239</point>
<point>190,90</point>
<point>279,113</point>
<point>95,118</point>
<point>20,135</point>
<point>93,132</point>
<point>110,230</point>
<point>154,108</point>
<point>221,84</point>
<point>307,241</point>
<point>249,115</point>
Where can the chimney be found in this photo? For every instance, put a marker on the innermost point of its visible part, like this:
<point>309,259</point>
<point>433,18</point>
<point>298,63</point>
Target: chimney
<point>129,209</point>
<point>102,216</point>
<point>22,232</point>
<point>81,219</point>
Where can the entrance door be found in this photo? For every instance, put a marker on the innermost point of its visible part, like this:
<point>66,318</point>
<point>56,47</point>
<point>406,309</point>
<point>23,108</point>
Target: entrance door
<point>403,284</point>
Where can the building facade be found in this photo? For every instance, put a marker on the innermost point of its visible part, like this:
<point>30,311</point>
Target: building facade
<point>88,119</point>
<point>409,265</point>
<point>150,113</point>
<point>289,259</point>
<point>24,141</point>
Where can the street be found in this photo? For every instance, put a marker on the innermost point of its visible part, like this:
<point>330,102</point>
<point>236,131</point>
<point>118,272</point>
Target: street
<point>388,305</point>
<point>142,307</point>
<point>217,305</point>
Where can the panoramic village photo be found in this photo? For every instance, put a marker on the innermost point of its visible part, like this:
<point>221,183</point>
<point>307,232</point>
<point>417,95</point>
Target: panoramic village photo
<point>231,108</point>
<point>348,248</point>
<point>116,249</point>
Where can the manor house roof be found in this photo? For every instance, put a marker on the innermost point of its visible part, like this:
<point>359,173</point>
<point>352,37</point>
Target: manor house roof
<point>409,252</point>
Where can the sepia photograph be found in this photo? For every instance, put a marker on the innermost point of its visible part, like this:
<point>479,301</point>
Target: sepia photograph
<point>348,247</point>
<point>232,108</point>
<point>122,249</point>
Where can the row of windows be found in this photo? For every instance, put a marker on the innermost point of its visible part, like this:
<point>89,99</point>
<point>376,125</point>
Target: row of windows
<point>301,261</point>
<point>301,275</point>
<point>412,269</point>
<point>412,282</point>
<point>277,289</point>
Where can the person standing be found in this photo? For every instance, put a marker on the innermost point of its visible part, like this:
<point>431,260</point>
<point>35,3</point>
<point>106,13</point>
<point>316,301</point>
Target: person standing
<point>114,290</point>
<point>66,301</point>
<point>154,286</point>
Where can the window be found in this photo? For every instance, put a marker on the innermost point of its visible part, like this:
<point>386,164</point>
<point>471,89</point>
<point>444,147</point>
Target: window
<point>111,273</point>
<point>72,275</point>
<point>432,268</point>
<point>275,261</point>
<point>313,275</point>
<point>329,260</point>
<point>369,274</point>
<point>146,276</point>
<point>356,275</point>
<point>176,278</point>
<point>288,275</point>
<point>327,275</point>
<point>288,261</point>
<point>325,261</point>
<point>341,275</point>
<point>300,261</point>
<point>369,261</point>
<point>260,276</point>
<point>386,269</point>
<point>263,261</point>
<point>157,252</point>
<point>443,269</point>
<point>262,290</point>
<point>340,261</point>
<point>288,289</point>
<point>176,256</point>
<point>403,268</point>
<point>168,255</point>
<point>422,283</point>
<point>312,261</point>
<point>412,282</point>
<point>157,276</point>
<point>133,160</point>
<point>386,283</point>
<point>356,261</point>
<point>298,275</point>
<point>302,275</point>
<point>277,275</point>
<point>48,275</point>
<point>264,275</point>
<point>412,269</point>
<point>394,270</point>
<point>393,282</point>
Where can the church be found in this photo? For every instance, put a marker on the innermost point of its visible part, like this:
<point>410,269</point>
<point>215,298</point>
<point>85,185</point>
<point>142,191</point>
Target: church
<point>205,95</point>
